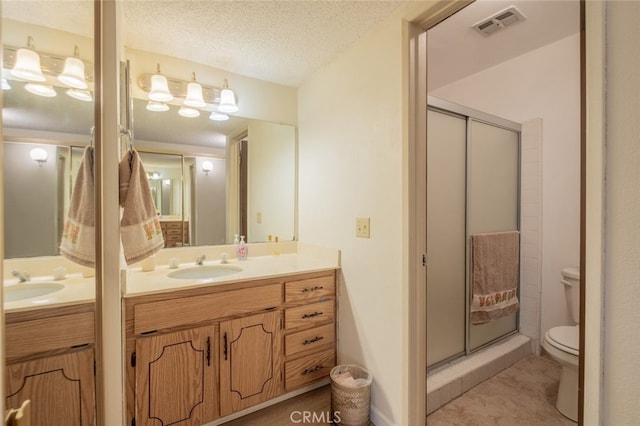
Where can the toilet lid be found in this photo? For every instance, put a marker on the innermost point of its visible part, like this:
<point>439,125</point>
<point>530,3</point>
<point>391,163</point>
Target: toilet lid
<point>565,338</point>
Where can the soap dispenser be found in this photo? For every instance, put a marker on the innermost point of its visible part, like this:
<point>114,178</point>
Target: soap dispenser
<point>276,248</point>
<point>242,251</point>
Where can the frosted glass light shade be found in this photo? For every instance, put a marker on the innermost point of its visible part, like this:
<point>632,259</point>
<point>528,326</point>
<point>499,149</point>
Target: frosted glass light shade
<point>160,89</point>
<point>41,90</point>
<point>207,166</point>
<point>73,73</point>
<point>157,106</point>
<point>189,112</point>
<point>81,95</point>
<point>27,66</point>
<point>218,116</point>
<point>39,155</point>
<point>227,101</point>
<point>5,84</point>
<point>194,96</point>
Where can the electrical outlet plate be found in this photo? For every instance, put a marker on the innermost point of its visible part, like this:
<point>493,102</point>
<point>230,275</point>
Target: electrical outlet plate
<point>363,227</point>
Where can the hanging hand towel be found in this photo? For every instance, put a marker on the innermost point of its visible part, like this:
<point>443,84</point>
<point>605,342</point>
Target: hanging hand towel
<point>78,237</point>
<point>494,275</point>
<point>139,228</point>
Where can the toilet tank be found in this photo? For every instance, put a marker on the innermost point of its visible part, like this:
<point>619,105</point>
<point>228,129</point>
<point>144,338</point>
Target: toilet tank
<point>571,282</point>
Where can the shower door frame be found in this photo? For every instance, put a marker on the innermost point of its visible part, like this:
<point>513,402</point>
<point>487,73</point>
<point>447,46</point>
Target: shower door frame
<point>472,115</point>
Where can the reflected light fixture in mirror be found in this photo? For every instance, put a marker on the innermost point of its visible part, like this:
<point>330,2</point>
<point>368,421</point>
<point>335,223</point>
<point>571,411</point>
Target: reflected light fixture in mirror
<point>218,116</point>
<point>73,72</point>
<point>227,99</point>
<point>157,106</point>
<point>39,155</point>
<point>159,88</point>
<point>81,95</point>
<point>5,84</point>
<point>45,90</point>
<point>207,166</point>
<point>189,112</point>
<point>194,95</point>
<point>27,64</point>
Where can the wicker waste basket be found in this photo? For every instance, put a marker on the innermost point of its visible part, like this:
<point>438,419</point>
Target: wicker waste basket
<point>350,395</point>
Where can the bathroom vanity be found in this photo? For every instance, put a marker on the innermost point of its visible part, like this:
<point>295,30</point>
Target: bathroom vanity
<point>50,361</point>
<point>198,350</point>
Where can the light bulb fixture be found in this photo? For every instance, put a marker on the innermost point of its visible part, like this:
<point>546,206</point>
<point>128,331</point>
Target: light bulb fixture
<point>189,112</point>
<point>227,99</point>
<point>39,155</point>
<point>5,84</point>
<point>194,94</point>
<point>27,64</point>
<point>157,106</point>
<point>218,116</point>
<point>154,176</point>
<point>41,89</point>
<point>81,95</point>
<point>73,72</point>
<point>159,88</point>
<point>207,166</point>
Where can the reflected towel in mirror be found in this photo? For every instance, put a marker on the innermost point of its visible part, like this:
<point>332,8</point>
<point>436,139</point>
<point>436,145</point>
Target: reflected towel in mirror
<point>140,229</point>
<point>78,236</point>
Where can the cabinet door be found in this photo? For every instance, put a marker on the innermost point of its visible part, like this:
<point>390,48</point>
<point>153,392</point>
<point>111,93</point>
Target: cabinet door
<point>61,389</point>
<point>175,378</point>
<point>250,361</point>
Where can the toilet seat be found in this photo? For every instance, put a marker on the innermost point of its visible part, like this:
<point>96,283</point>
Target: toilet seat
<point>565,338</point>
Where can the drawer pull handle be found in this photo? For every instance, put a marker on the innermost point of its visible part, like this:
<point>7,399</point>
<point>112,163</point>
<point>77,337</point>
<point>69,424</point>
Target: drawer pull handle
<point>315,339</point>
<point>315,314</point>
<point>308,289</point>
<point>312,370</point>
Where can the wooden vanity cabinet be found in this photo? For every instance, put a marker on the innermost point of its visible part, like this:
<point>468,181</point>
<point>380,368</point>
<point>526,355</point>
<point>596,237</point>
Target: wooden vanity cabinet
<point>202,353</point>
<point>50,361</point>
<point>250,361</point>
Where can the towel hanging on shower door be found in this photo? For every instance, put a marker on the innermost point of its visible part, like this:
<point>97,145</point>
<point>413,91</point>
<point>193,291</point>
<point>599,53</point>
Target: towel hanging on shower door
<point>494,275</point>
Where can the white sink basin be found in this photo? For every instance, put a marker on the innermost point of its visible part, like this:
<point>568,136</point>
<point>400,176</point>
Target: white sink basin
<point>204,272</point>
<point>30,290</point>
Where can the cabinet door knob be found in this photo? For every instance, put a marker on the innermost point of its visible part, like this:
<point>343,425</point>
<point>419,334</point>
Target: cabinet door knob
<point>315,314</point>
<point>309,341</point>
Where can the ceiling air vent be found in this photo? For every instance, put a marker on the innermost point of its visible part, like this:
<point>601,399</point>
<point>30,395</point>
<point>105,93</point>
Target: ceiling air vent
<point>498,21</point>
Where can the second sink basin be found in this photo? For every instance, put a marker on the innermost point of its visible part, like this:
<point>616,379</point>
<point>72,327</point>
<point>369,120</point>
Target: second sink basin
<point>29,290</point>
<point>204,272</point>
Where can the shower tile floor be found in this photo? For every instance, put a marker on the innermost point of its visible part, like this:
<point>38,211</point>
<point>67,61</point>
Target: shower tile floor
<point>521,395</point>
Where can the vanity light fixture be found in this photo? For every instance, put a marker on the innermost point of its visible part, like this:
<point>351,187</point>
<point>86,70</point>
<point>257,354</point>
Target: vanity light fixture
<point>73,72</point>
<point>189,112</point>
<point>227,99</point>
<point>27,65</point>
<point>45,90</point>
<point>218,116</point>
<point>194,94</point>
<point>81,95</point>
<point>157,106</point>
<point>5,84</point>
<point>159,88</point>
<point>207,166</point>
<point>39,155</point>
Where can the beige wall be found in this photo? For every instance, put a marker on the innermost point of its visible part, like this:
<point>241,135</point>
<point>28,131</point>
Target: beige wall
<point>621,391</point>
<point>350,153</point>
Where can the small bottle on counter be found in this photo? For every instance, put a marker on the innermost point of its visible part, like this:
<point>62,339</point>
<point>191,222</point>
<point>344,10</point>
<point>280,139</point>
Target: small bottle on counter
<point>276,247</point>
<point>242,251</point>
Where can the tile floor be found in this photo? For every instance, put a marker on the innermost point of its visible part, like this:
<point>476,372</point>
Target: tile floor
<point>522,395</point>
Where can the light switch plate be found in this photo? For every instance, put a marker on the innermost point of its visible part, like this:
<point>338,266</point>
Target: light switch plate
<point>363,227</point>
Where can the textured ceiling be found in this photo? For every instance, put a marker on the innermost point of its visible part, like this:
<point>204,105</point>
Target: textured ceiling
<point>278,41</point>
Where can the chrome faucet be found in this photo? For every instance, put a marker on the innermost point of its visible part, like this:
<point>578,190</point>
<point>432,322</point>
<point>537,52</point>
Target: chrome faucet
<point>21,276</point>
<point>200,259</point>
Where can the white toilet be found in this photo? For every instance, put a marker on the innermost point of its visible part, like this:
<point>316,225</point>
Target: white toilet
<point>562,344</point>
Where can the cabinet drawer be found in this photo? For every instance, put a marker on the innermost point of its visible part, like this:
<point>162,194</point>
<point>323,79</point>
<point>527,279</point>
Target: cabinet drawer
<point>309,315</point>
<point>49,334</point>
<point>171,232</point>
<point>311,289</point>
<point>302,371</point>
<point>174,225</point>
<point>197,309</point>
<point>309,339</point>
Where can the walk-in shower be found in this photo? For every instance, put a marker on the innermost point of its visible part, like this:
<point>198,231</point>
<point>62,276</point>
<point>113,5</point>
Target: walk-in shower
<point>473,186</point>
